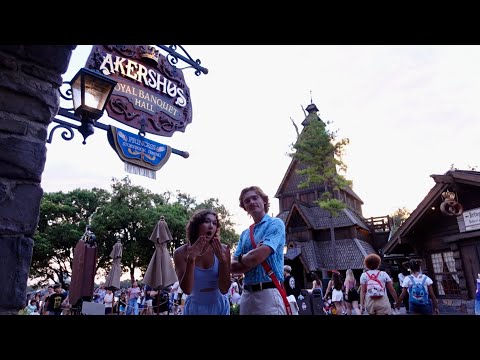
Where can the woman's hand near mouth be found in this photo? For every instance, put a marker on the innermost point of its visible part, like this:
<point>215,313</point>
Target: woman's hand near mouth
<point>218,249</point>
<point>198,248</point>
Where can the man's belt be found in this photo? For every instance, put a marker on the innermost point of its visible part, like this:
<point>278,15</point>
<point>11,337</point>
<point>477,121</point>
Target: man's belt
<point>259,286</point>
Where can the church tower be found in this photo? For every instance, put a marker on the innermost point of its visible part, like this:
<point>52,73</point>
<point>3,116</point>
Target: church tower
<point>309,249</point>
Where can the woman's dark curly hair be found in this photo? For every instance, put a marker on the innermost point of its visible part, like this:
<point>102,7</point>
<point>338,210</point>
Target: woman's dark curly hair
<point>372,261</point>
<point>198,217</point>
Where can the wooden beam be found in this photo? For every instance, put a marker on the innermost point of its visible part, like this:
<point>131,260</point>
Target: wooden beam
<point>461,236</point>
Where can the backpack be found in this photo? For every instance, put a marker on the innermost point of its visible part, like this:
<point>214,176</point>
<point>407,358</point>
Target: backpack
<point>374,286</point>
<point>417,293</point>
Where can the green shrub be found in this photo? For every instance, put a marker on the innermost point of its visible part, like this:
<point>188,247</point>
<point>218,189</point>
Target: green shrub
<point>235,309</point>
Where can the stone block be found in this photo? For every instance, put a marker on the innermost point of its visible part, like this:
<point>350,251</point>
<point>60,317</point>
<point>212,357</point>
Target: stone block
<point>28,97</point>
<point>15,258</point>
<point>54,57</point>
<point>22,159</point>
<point>19,208</point>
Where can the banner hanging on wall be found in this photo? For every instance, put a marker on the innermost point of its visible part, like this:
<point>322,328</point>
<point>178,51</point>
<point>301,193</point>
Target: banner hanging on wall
<point>141,156</point>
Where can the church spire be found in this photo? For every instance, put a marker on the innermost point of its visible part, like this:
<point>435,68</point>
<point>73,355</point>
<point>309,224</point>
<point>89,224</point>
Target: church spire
<point>312,113</point>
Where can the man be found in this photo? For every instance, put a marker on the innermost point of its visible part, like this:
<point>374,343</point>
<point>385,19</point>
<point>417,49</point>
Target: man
<point>55,300</point>
<point>260,296</point>
<point>290,286</point>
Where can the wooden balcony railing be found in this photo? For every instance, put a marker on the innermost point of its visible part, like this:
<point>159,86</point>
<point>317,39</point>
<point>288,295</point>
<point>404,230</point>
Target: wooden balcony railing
<point>380,223</point>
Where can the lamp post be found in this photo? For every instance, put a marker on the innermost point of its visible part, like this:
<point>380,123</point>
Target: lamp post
<point>89,91</point>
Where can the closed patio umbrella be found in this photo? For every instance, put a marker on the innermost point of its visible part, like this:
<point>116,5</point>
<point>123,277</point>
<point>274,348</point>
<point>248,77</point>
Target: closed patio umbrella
<point>113,278</point>
<point>160,272</point>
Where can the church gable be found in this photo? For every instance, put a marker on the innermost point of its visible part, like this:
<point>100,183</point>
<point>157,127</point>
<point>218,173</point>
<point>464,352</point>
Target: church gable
<point>296,219</point>
<point>292,179</point>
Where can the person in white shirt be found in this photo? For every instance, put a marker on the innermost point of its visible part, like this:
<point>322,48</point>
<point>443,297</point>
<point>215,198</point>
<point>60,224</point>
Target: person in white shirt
<point>108,301</point>
<point>177,298</point>
<point>234,292</point>
<point>374,304</point>
<point>416,276</point>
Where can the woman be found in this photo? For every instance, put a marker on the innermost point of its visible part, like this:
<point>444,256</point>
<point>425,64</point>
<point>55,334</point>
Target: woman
<point>416,277</point>
<point>203,266</point>
<point>374,284</point>
<point>132,296</point>
<point>351,294</point>
<point>335,292</point>
<point>317,284</point>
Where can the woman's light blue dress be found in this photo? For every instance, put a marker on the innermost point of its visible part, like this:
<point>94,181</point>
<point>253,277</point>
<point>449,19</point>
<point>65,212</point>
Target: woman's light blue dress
<point>206,302</point>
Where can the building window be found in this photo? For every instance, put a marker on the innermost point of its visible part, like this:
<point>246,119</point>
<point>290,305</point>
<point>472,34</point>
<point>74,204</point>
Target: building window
<point>445,274</point>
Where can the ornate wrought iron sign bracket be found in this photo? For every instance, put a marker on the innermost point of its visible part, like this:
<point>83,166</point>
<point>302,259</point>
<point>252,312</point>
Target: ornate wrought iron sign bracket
<point>173,57</point>
<point>146,106</point>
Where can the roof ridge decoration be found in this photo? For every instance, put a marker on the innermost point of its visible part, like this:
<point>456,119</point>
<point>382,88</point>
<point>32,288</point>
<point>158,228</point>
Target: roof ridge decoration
<point>449,206</point>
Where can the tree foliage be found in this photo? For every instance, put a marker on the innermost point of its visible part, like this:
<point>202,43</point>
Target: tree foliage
<point>321,155</point>
<point>130,215</point>
<point>128,212</point>
<point>63,218</point>
<point>399,216</point>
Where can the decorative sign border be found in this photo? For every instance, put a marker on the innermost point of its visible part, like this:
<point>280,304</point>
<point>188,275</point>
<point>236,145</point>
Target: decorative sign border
<point>138,150</point>
<point>151,95</point>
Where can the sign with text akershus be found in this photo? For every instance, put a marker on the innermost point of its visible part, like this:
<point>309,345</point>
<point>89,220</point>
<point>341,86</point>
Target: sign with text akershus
<point>149,90</point>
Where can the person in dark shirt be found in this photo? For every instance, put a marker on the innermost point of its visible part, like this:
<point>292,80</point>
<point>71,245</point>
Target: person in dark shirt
<point>291,287</point>
<point>55,300</point>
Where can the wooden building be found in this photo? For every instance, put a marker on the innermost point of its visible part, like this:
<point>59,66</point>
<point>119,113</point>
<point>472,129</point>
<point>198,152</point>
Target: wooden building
<point>309,245</point>
<point>447,242</point>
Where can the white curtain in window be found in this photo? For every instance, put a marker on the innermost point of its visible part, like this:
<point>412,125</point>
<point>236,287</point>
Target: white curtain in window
<point>450,261</point>
<point>437,263</point>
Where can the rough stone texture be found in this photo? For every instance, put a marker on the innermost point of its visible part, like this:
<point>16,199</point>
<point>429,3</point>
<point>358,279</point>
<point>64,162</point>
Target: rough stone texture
<point>11,125</point>
<point>37,101</point>
<point>21,158</point>
<point>456,306</point>
<point>53,57</point>
<point>19,207</point>
<point>20,125</point>
<point>29,80</point>
<point>15,258</point>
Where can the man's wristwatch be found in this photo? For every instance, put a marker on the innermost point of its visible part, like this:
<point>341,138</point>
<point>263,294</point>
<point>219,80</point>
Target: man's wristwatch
<point>240,258</point>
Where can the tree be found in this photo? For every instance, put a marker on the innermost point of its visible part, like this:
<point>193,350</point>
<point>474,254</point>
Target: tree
<point>62,222</point>
<point>320,156</point>
<point>398,217</point>
<point>131,215</point>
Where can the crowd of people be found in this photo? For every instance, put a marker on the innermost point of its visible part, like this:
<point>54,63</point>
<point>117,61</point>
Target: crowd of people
<point>212,281</point>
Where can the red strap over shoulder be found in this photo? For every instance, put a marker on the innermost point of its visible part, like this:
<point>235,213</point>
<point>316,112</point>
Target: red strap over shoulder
<point>270,273</point>
<point>375,278</point>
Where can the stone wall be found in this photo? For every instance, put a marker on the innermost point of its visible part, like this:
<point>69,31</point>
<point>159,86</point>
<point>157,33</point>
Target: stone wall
<point>456,306</point>
<point>30,76</point>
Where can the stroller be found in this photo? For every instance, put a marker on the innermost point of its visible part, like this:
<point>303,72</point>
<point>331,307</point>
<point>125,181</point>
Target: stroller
<point>329,307</point>
<point>161,303</point>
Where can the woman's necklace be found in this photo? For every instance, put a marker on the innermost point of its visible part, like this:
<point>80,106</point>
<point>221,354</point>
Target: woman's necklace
<point>208,248</point>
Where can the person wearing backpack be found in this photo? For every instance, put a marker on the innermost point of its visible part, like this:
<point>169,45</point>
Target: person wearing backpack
<point>373,283</point>
<point>419,290</point>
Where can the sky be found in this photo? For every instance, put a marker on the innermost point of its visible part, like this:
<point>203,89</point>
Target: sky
<point>408,111</point>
